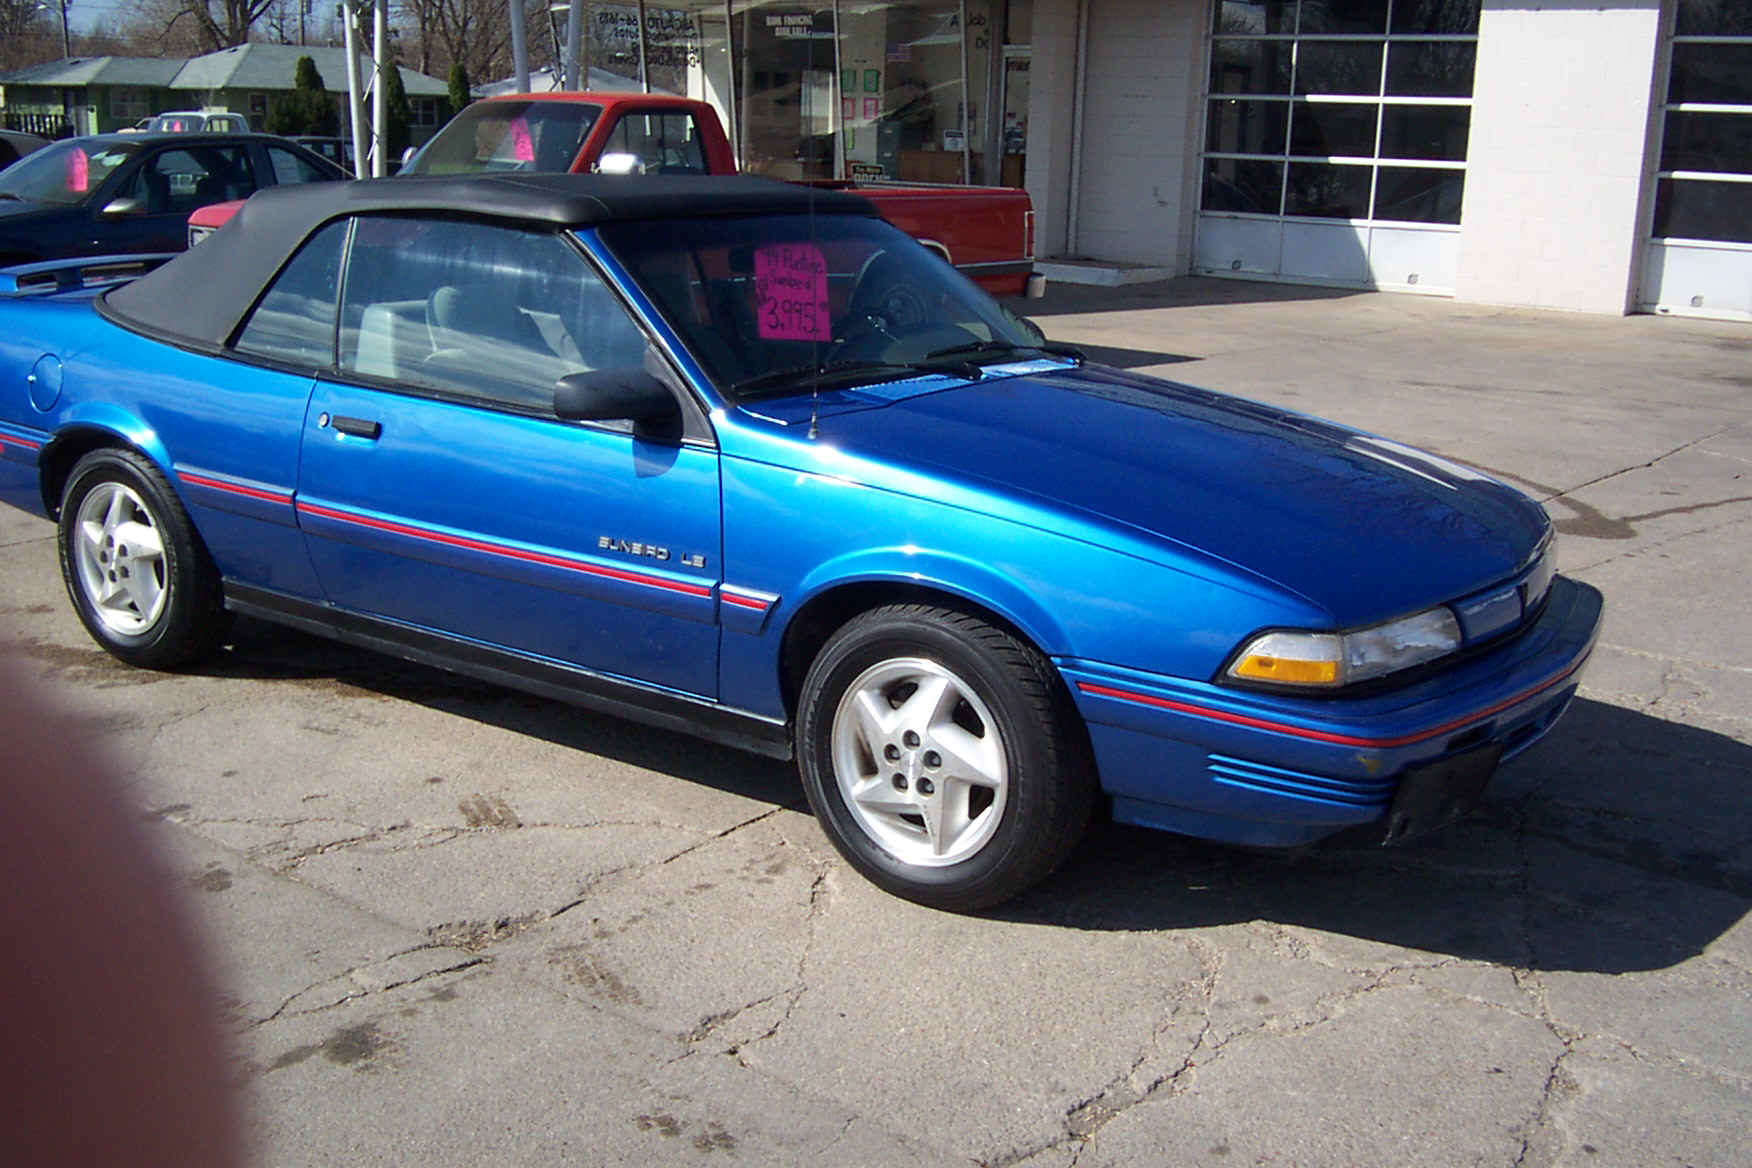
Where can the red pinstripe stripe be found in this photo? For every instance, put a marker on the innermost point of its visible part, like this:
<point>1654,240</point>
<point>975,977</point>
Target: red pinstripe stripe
<point>744,601</point>
<point>1142,699</point>
<point>508,552</point>
<point>233,488</point>
<point>27,443</point>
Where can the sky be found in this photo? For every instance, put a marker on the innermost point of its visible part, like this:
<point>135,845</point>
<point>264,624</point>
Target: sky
<point>84,15</point>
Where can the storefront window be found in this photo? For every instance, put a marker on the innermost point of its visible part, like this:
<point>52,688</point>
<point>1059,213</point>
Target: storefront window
<point>902,94</point>
<point>611,47</point>
<point>683,45</point>
<point>822,90</point>
<point>783,61</point>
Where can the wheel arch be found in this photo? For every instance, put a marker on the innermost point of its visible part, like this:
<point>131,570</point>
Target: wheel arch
<point>79,437</point>
<point>832,605</point>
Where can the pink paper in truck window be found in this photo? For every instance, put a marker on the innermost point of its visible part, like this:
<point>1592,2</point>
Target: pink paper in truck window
<point>78,172</point>
<point>522,149</point>
<point>790,287</point>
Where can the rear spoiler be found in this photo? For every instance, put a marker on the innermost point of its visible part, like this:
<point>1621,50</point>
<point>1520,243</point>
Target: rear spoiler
<point>50,277</point>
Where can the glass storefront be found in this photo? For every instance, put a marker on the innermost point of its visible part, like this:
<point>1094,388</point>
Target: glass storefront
<point>846,89</point>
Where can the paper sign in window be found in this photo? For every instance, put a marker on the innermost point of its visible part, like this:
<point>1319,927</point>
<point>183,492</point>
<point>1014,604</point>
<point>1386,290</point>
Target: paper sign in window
<point>522,149</point>
<point>790,287</point>
<point>78,172</point>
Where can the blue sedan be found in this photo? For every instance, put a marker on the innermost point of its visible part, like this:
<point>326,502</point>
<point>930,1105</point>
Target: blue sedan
<point>740,459</point>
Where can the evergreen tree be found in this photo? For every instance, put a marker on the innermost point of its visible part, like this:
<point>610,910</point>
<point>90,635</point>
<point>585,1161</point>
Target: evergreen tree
<point>459,88</point>
<point>399,116</point>
<point>308,109</point>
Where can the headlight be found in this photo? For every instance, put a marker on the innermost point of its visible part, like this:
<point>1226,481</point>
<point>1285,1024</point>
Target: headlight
<point>1538,581</point>
<point>1330,660</point>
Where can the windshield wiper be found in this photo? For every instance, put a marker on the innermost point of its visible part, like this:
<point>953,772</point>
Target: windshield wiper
<point>10,195</point>
<point>837,374</point>
<point>980,348</point>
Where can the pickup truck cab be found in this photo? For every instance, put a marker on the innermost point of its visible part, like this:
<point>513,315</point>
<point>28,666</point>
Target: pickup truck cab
<point>987,233</point>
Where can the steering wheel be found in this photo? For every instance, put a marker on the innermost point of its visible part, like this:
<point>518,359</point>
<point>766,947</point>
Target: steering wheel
<point>885,306</point>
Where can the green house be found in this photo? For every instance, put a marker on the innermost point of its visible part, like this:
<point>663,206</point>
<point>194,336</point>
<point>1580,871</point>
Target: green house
<point>94,95</point>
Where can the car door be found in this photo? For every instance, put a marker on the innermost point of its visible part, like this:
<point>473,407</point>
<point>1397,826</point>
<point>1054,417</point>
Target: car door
<point>169,184</point>
<point>438,490</point>
<point>278,166</point>
<point>664,140</point>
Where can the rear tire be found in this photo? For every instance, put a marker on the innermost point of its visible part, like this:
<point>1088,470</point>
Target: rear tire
<point>942,756</point>
<point>137,572</point>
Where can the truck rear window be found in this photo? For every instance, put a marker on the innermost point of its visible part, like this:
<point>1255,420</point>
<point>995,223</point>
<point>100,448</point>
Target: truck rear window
<point>509,135</point>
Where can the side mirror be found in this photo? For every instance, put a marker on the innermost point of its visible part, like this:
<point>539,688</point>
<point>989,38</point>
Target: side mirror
<point>121,208</point>
<point>615,395</point>
<point>407,156</point>
<point>620,164</point>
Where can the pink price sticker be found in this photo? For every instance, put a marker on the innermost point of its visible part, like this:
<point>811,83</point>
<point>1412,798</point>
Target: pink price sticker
<point>790,285</point>
<point>522,149</point>
<point>78,172</point>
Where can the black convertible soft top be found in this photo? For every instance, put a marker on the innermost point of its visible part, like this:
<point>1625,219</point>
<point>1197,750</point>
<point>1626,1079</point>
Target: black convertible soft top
<point>199,297</point>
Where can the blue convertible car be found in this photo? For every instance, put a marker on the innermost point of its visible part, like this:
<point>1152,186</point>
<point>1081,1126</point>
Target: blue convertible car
<point>741,459</point>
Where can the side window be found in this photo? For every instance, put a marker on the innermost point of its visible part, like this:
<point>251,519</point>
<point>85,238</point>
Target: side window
<point>181,180</point>
<point>295,321</point>
<point>477,311</point>
<point>290,168</point>
<point>666,143</point>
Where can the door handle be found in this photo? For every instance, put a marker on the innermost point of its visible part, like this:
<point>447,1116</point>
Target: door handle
<point>358,427</point>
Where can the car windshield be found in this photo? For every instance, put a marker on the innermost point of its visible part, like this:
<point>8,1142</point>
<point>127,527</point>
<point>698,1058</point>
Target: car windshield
<point>782,304</point>
<point>65,173</point>
<point>508,135</point>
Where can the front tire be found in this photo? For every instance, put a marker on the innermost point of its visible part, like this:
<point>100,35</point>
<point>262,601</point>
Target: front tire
<point>942,756</point>
<point>139,576</point>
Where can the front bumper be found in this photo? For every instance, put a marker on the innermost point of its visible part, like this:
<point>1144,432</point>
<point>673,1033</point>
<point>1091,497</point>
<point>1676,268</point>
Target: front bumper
<point>1225,764</point>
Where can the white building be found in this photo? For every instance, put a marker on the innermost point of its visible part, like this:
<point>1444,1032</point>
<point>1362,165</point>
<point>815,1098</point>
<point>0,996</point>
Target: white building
<point>1593,155</point>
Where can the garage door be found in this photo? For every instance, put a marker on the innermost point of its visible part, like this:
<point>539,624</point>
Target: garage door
<point>1699,261</point>
<point>1335,141</point>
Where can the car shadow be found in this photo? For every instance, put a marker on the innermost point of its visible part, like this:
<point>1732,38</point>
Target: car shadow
<point>267,652</point>
<point>1131,358</point>
<point>1619,844</point>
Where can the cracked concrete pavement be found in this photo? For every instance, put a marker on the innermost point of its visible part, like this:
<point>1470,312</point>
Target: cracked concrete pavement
<point>458,925</point>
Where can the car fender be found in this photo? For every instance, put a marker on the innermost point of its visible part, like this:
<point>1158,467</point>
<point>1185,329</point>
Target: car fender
<point>941,571</point>
<point>86,425</point>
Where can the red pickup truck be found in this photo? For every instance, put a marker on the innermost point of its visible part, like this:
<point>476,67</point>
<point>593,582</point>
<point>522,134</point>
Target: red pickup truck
<point>986,232</point>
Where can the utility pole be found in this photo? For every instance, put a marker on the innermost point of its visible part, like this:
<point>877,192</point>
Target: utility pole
<point>66,33</point>
<point>380,95</point>
<point>519,49</point>
<point>574,31</point>
<point>355,115</point>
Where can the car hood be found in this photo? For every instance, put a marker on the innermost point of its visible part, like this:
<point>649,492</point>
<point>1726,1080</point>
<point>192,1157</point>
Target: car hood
<point>12,210</point>
<point>17,219</point>
<point>1359,526</point>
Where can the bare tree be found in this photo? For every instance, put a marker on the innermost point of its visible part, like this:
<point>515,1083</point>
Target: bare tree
<point>473,33</point>
<point>27,36</point>
<point>280,20</point>
<point>223,23</point>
